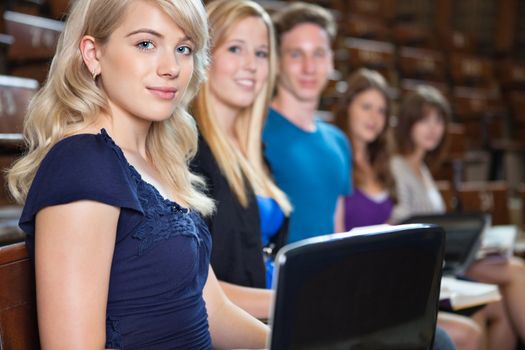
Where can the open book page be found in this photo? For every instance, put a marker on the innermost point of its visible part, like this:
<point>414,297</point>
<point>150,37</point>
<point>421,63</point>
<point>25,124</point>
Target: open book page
<point>371,229</point>
<point>498,242</point>
<point>459,294</point>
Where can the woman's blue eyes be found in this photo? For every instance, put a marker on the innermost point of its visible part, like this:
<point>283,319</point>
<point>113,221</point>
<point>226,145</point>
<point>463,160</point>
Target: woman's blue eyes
<point>147,45</point>
<point>237,49</point>
<point>234,49</point>
<point>185,50</point>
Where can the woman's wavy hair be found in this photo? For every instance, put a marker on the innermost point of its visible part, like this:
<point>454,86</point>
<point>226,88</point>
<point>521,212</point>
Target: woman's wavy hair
<point>246,164</point>
<point>415,107</point>
<point>71,100</point>
<point>378,150</point>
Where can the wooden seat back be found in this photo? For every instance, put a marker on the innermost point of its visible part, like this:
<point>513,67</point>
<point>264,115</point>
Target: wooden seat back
<point>18,320</point>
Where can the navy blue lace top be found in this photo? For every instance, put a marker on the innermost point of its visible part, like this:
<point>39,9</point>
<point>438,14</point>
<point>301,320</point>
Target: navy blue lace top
<point>161,257</point>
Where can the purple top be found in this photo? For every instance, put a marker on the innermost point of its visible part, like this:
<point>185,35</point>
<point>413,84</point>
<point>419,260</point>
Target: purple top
<point>363,210</point>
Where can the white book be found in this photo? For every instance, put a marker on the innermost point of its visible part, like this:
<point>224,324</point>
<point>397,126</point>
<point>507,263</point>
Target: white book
<point>459,294</point>
<point>498,242</point>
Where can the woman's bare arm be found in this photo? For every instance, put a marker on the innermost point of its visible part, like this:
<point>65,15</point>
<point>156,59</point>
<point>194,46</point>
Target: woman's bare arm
<point>256,301</point>
<point>74,246</point>
<point>230,326</point>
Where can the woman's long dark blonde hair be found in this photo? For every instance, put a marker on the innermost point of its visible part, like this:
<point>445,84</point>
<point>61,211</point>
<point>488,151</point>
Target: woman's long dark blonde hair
<point>378,150</point>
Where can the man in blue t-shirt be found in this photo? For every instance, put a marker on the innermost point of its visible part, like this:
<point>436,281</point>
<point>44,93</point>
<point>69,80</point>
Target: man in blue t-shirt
<point>309,159</point>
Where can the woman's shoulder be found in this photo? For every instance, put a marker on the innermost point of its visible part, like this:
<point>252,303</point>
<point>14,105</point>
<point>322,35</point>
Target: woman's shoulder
<point>396,159</point>
<point>81,167</point>
<point>398,164</point>
<point>84,155</point>
<point>85,160</point>
<point>83,149</point>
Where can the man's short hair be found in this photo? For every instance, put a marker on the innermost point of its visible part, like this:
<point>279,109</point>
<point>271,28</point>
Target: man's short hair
<point>299,13</point>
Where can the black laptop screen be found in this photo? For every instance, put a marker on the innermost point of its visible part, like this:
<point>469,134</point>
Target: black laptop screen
<point>463,237</point>
<point>365,294</point>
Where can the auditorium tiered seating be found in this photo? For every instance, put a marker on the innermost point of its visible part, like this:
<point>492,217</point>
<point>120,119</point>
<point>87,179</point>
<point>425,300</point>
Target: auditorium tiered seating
<point>18,320</point>
<point>452,169</point>
<point>58,8</point>
<point>378,55</point>
<point>457,41</point>
<point>511,75</point>
<point>34,44</point>
<point>521,194</point>
<point>15,94</point>
<point>417,63</point>
<point>467,69</point>
<point>488,197</point>
<point>412,35</point>
<point>364,27</point>
<point>28,39</point>
<point>381,9</point>
<point>5,42</point>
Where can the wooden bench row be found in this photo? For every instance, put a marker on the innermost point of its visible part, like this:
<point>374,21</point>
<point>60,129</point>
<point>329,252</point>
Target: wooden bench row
<point>18,319</point>
<point>15,95</point>
<point>487,197</point>
<point>55,9</point>
<point>430,64</point>
<point>404,34</point>
<point>27,44</point>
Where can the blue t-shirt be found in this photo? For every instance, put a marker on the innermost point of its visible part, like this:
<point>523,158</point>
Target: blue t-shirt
<point>161,254</point>
<point>312,168</point>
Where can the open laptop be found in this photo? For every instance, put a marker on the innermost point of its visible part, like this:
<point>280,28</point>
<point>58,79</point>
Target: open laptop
<point>464,233</point>
<point>375,289</point>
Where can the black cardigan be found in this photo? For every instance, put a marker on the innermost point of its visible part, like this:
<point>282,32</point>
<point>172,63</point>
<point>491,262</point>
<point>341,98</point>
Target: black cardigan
<point>237,255</point>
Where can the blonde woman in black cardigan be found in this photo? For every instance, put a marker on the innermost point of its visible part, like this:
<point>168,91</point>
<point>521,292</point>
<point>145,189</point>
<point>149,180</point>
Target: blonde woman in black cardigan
<point>230,110</point>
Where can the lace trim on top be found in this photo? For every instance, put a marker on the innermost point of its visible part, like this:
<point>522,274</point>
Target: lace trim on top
<point>163,218</point>
<point>114,340</point>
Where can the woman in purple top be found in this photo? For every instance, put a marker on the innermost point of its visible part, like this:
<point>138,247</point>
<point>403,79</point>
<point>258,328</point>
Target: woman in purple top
<point>364,117</point>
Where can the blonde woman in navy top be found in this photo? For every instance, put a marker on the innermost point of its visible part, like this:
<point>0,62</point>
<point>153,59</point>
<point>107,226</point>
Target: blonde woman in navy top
<point>112,214</point>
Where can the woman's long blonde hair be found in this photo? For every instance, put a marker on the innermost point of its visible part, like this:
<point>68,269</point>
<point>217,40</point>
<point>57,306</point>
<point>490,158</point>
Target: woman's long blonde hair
<point>70,100</point>
<point>246,163</point>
